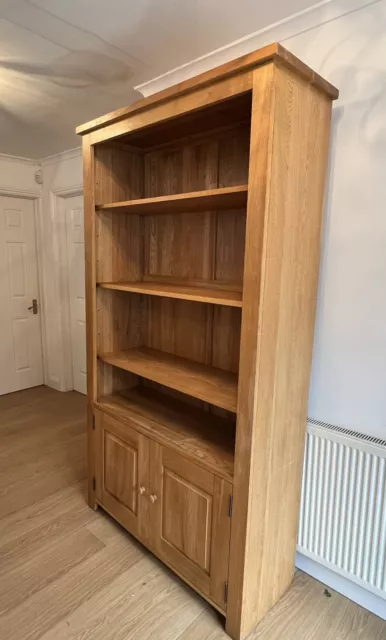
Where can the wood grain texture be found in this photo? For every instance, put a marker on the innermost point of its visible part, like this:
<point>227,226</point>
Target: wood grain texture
<point>192,432</point>
<point>79,563</point>
<point>186,105</point>
<point>219,561</point>
<point>123,469</point>
<point>91,325</point>
<point>120,471</point>
<point>187,518</point>
<point>271,52</point>
<point>277,335</point>
<point>168,290</point>
<point>119,174</point>
<point>178,327</point>
<point>225,198</point>
<point>189,531</point>
<point>118,247</point>
<point>119,320</point>
<point>206,383</point>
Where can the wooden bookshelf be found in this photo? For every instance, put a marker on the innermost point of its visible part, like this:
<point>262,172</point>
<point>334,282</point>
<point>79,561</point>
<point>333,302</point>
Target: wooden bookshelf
<point>205,383</point>
<point>201,436</point>
<point>203,213</point>
<point>207,295</point>
<point>194,202</point>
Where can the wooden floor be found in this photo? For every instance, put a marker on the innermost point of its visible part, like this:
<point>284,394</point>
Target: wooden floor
<point>67,572</point>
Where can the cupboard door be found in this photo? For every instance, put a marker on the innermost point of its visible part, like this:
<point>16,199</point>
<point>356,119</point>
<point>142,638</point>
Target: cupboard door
<point>190,521</point>
<point>122,479</point>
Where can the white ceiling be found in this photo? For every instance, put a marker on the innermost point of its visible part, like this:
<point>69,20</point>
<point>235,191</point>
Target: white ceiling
<point>63,62</point>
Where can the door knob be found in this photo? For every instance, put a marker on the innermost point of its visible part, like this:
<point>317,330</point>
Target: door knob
<point>142,490</point>
<point>153,498</point>
<point>34,307</point>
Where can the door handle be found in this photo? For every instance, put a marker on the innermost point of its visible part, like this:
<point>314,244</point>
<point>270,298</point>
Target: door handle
<point>34,307</point>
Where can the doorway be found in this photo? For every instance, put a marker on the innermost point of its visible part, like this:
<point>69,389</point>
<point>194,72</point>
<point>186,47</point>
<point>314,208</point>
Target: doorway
<point>73,210</point>
<point>21,358</point>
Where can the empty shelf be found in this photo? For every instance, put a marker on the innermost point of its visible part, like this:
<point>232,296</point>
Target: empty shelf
<point>211,199</point>
<point>211,385</point>
<point>229,298</point>
<point>205,438</point>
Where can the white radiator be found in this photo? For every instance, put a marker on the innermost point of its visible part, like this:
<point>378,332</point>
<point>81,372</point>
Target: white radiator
<point>343,506</point>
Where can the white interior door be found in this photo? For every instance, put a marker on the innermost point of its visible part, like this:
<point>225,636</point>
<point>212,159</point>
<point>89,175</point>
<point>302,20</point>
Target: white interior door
<point>21,362</point>
<point>76,278</point>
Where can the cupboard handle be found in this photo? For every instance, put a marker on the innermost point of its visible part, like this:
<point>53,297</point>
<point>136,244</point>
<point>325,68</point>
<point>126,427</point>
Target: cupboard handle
<point>142,490</point>
<point>153,498</point>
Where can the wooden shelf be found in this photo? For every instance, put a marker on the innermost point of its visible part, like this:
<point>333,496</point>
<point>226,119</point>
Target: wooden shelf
<point>229,298</point>
<point>206,383</point>
<point>196,201</point>
<point>205,438</point>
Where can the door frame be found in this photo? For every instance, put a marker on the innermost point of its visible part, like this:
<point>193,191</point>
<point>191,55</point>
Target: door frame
<point>57,205</point>
<point>37,203</point>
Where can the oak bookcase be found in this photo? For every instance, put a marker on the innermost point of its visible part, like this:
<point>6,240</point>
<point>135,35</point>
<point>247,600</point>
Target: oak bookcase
<point>203,210</point>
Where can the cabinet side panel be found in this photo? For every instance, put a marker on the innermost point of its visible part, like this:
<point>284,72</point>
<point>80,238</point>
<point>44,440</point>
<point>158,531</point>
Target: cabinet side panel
<point>119,174</point>
<point>118,247</point>
<point>90,257</point>
<point>273,426</point>
<point>260,146</point>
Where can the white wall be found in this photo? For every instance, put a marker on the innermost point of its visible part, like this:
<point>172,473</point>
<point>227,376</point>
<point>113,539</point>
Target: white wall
<point>62,176</point>
<point>17,175</point>
<point>346,43</point>
<point>349,365</point>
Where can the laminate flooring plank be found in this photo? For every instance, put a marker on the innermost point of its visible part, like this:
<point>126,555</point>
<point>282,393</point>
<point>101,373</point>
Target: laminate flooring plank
<point>143,603</point>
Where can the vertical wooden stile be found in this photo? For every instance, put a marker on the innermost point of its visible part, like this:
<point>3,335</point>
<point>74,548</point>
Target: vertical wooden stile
<point>91,330</point>
<point>286,187</point>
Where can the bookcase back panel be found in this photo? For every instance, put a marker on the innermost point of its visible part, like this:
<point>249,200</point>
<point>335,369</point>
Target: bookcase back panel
<point>119,173</point>
<point>220,159</point>
<point>188,246</point>
<point>118,247</point>
<point>205,246</point>
<point>230,245</point>
<point>179,327</point>
<point>111,379</point>
<point>233,156</point>
<point>217,110</point>
<point>204,333</point>
<point>119,321</point>
<point>225,347</point>
<point>179,245</point>
<point>187,167</point>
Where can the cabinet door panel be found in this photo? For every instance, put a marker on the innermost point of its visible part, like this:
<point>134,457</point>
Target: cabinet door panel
<point>122,469</point>
<point>187,519</point>
<point>190,523</point>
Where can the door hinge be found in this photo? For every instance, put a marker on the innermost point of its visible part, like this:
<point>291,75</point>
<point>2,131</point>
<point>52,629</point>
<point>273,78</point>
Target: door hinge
<point>226,592</point>
<point>93,423</point>
<point>93,484</point>
<point>230,506</point>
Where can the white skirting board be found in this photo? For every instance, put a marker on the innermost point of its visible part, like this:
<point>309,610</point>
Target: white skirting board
<point>342,529</point>
<point>342,585</point>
